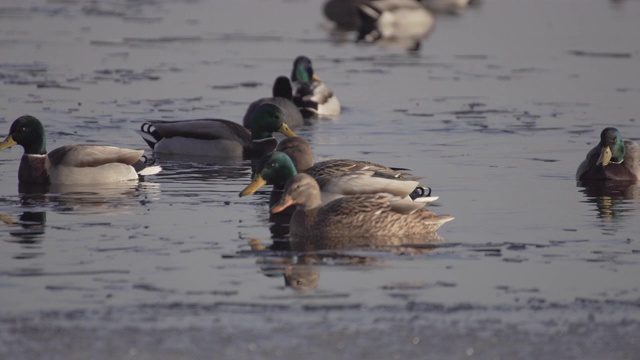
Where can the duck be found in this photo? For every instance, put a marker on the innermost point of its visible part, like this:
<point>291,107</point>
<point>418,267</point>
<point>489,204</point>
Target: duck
<point>337,177</point>
<point>72,164</point>
<point>403,22</point>
<point>277,167</point>
<point>612,159</point>
<point>357,216</point>
<point>218,137</point>
<point>283,98</point>
<point>312,96</point>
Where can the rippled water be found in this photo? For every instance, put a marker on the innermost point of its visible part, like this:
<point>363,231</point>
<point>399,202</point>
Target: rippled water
<point>496,111</point>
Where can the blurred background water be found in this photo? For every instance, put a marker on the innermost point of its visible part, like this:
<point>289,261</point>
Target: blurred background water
<point>495,110</point>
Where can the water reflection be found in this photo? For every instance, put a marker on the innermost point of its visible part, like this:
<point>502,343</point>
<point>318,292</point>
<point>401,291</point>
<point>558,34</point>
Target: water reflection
<point>203,168</point>
<point>299,262</point>
<point>89,199</point>
<point>28,227</point>
<point>612,198</point>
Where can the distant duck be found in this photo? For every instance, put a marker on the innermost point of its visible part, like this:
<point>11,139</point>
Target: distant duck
<point>405,22</point>
<point>217,137</point>
<point>338,177</point>
<point>310,93</point>
<point>612,159</point>
<point>71,164</point>
<point>359,216</point>
<point>283,98</point>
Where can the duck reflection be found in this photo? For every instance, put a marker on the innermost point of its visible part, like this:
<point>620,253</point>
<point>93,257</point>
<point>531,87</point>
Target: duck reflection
<point>112,198</point>
<point>299,262</point>
<point>612,198</point>
<point>28,228</point>
<point>199,168</point>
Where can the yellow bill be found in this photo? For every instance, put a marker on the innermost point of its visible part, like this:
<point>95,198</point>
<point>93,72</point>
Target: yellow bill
<point>256,184</point>
<point>8,142</point>
<point>605,156</point>
<point>286,131</point>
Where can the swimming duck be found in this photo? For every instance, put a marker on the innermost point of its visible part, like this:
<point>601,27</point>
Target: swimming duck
<point>277,167</point>
<point>405,22</point>
<point>300,154</point>
<point>71,164</point>
<point>612,159</point>
<point>217,137</point>
<point>283,98</point>
<point>359,216</point>
<point>310,93</point>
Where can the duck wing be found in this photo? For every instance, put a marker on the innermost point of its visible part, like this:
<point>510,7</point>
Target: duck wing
<point>203,129</point>
<point>92,155</point>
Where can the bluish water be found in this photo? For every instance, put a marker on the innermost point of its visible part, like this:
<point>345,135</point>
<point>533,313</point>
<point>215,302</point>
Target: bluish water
<point>495,111</point>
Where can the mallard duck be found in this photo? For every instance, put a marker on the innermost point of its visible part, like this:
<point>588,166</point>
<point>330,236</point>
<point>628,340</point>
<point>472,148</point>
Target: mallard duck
<point>71,164</point>
<point>310,93</point>
<point>283,98</point>
<point>359,216</point>
<point>217,137</point>
<point>612,159</point>
<point>277,167</point>
<point>405,22</point>
<point>276,170</point>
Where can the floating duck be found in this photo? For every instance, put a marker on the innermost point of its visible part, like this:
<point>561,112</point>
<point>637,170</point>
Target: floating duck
<point>71,164</point>
<point>217,137</point>
<point>612,159</point>
<point>283,98</point>
<point>358,216</point>
<point>310,93</point>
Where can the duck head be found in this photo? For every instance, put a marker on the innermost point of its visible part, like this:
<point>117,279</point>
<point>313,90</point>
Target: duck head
<point>612,149</point>
<point>28,132</point>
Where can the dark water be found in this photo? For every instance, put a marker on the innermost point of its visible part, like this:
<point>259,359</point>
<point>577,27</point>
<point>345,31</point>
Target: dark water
<point>496,111</point>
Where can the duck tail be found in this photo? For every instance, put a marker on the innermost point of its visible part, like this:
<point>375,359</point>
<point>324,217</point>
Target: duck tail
<point>149,134</point>
<point>145,166</point>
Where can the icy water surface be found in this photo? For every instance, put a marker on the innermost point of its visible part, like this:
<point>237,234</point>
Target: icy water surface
<point>496,111</point>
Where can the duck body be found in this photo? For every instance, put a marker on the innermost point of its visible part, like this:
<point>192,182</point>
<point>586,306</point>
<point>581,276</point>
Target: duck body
<point>277,168</point>
<point>283,98</point>
<point>336,178</point>
<point>71,164</point>
<point>217,137</point>
<point>359,216</point>
<point>395,20</point>
<point>310,94</point>
<point>612,159</point>
<point>301,154</point>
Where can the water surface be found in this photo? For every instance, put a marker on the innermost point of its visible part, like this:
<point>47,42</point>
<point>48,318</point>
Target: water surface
<point>495,111</point>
